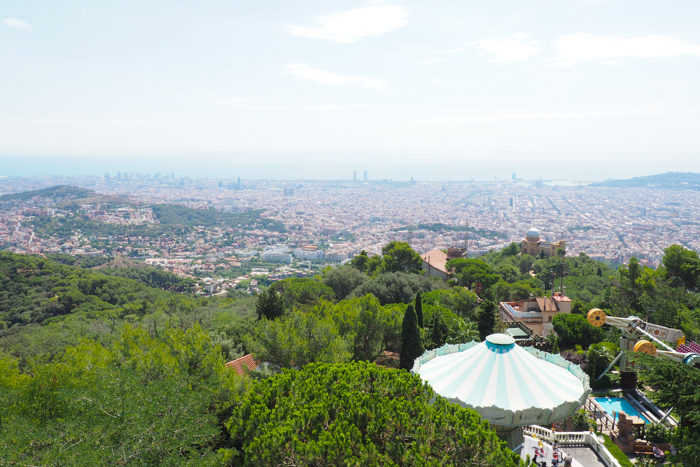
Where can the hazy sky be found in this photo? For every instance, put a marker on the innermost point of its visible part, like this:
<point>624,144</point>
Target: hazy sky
<point>443,90</point>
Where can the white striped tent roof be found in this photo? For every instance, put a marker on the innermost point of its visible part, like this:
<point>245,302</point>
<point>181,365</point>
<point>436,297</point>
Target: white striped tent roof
<point>507,384</point>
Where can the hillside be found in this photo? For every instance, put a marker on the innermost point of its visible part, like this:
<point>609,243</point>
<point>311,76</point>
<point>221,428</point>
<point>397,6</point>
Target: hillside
<point>58,193</point>
<point>669,180</point>
<point>175,214</point>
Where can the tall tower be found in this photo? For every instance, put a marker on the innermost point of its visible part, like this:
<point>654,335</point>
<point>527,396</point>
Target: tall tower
<point>365,175</point>
<point>354,176</point>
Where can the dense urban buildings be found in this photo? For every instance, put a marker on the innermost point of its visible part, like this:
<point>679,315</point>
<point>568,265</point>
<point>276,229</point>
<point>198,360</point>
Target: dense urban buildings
<point>331,221</point>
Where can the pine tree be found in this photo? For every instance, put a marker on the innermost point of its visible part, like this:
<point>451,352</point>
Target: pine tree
<point>270,304</point>
<point>411,345</point>
<point>419,309</point>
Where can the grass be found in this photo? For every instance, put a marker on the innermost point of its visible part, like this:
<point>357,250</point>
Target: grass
<point>617,453</point>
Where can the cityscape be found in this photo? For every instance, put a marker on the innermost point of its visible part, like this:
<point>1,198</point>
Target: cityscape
<point>343,233</point>
<point>329,222</point>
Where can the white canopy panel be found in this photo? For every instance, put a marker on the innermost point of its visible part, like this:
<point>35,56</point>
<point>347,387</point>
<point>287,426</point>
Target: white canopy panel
<point>507,384</point>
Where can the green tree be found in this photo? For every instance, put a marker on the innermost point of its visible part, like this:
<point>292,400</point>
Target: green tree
<point>297,339</point>
<point>411,345</point>
<point>419,309</point>
<point>487,317</point>
<point>395,287</point>
<point>270,304</point>
<point>371,327</point>
<point>458,300</point>
<point>678,386</point>
<point>358,414</point>
<point>359,262</point>
<point>573,330</point>
<point>469,271</point>
<point>146,401</point>
<point>343,280</point>
<point>630,290</point>
<point>400,257</point>
<point>682,267</point>
<point>302,292</point>
<point>439,331</point>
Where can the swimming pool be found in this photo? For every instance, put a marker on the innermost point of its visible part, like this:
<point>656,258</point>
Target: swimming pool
<point>617,405</point>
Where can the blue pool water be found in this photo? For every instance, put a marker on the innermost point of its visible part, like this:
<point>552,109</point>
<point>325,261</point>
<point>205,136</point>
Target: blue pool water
<point>617,405</point>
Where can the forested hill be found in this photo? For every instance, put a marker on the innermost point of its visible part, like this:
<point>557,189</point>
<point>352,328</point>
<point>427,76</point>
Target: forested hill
<point>669,180</point>
<point>59,192</point>
<point>175,214</point>
<point>440,227</point>
<point>71,197</point>
<point>33,290</point>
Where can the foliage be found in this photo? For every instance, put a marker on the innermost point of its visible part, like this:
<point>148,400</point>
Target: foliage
<point>657,433</point>
<point>440,227</point>
<point>358,414</point>
<point>682,267</point>
<point>400,257</point>
<point>175,214</point>
<point>577,358</point>
<point>63,227</point>
<point>145,401</point>
<point>452,328</point>
<point>418,303</point>
<point>468,271</point>
<point>458,300</point>
<point>487,318</point>
<point>302,292</point>
<point>270,304</point>
<point>395,287</point>
<point>372,328</point>
<point>676,385</point>
<point>57,193</point>
<point>599,357</point>
<point>396,257</point>
<point>34,291</point>
<point>343,280</point>
<point>582,422</point>
<point>360,261</point>
<point>620,456</point>
<point>573,330</point>
<point>229,334</point>
<point>438,331</point>
<point>411,345</point>
<point>297,339</point>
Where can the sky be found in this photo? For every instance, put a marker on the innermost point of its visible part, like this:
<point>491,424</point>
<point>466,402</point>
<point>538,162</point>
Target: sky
<point>443,90</point>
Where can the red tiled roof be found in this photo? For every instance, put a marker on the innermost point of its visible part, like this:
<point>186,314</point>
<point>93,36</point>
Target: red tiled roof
<point>436,259</point>
<point>546,304</point>
<point>558,296</point>
<point>243,364</point>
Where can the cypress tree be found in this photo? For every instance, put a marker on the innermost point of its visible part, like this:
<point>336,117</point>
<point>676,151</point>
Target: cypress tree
<point>419,310</point>
<point>487,318</point>
<point>439,331</point>
<point>411,345</point>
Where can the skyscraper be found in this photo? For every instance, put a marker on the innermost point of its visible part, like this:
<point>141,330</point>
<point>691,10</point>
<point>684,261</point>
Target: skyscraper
<point>354,175</point>
<point>365,175</point>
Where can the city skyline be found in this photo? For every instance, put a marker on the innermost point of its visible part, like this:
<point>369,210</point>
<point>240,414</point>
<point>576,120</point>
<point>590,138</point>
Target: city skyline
<point>577,90</point>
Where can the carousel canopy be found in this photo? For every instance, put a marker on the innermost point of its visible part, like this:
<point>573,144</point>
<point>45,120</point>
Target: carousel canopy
<point>507,384</point>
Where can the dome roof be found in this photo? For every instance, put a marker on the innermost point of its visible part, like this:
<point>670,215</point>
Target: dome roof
<point>533,233</point>
<point>505,383</point>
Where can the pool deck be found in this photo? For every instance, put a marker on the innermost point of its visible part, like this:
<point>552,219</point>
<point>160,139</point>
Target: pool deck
<point>583,455</point>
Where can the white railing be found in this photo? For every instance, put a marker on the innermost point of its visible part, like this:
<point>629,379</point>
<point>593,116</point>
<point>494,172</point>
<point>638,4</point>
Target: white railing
<point>569,438</point>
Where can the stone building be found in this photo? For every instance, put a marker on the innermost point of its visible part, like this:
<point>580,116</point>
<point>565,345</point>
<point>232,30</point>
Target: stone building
<point>533,245</point>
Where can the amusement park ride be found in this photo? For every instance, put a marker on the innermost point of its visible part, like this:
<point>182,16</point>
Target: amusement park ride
<point>634,331</point>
